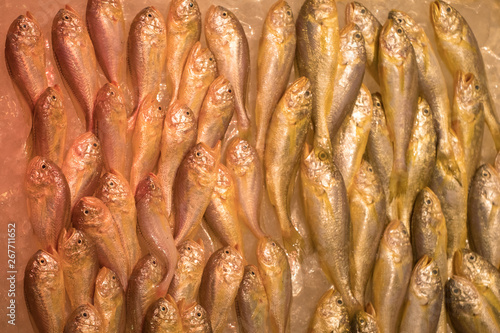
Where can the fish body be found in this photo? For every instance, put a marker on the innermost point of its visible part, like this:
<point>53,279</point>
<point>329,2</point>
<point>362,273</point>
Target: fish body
<point>365,321</point>
<point>195,318</point>
<point>109,301</point>
<point>84,319</point>
<point>331,314</point>
<point>252,304</point>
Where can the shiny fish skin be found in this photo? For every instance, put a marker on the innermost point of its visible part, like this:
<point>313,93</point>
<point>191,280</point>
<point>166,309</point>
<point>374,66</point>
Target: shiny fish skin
<point>163,316</point>
<point>227,40</point>
<point>25,56</point>
<point>50,125</point>
<point>82,166</point>
<point>219,285</point>
<point>109,301</point>
<point>274,62</point>
<point>84,319</point>
<point>75,56</point>
<point>331,314</point>
<point>195,318</point>
<point>49,198</point>
<point>366,322</point>
<point>44,292</point>
<point>251,302</point>
<point>183,31</point>
<point>483,214</point>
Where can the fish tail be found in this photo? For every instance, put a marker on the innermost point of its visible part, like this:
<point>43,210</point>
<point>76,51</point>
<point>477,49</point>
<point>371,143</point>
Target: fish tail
<point>294,243</point>
<point>398,185</point>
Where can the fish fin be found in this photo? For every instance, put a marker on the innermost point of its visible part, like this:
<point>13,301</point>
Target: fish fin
<point>398,185</point>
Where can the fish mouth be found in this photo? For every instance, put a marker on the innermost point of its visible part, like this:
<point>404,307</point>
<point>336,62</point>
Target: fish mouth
<point>349,12</point>
<point>457,262</point>
<point>424,262</point>
<point>67,234</point>
<point>435,11</point>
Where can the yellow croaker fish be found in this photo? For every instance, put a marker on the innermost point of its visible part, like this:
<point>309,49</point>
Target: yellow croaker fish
<point>199,72</point>
<point>366,321</point>
<point>251,302</point>
<point>349,77</point>
<point>246,169</point>
<point>189,270</point>
<point>318,46</point>
<point>458,47</point>
<point>483,214</point>
<point>109,301</point>
<point>284,144</point>
<point>194,184</point>
<point>114,191</point>
<point>331,314</point>
<point>91,216</point>
<point>25,56</point>
<point>274,62</point>
<point>276,275</point>
<point>358,14</point>
<point>424,298</point>
<point>368,220</point>
<point>399,87</point>
<point>468,118</point>
<point>183,31</point>
<point>82,166</point>
<point>147,48</point>
<point>75,56</point>
<point>153,226</point>
<point>49,200</point>
<point>219,285</point>
<point>84,319</point>
<point>194,318</point>
<point>78,259</point>
<point>146,139</point>
<point>222,214</point>
<point>227,40</point>
<point>142,290</point>
<point>178,137</point>
<point>350,141</point>
<point>391,276</point>
<point>44,292</point>
<point>216,111</point>
<point>50,125</point>
<point>163,316</point>
<point>420,158</point>
<point>327,213</point>
<point>111,126</point>
<point>106,25</point>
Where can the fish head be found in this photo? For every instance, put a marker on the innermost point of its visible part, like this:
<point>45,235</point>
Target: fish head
<point>89,211</point>
<point>365,322</point>
<point>241,156</point>
<point>69,23</point>
<point>204,161</point>
<point>180,117</point>
<point>225,183</point>
<point>107,283</point>
<point>87,148</point>
<point>41,175</point>
<point>50,102</point>
<point>424,114</point>
<point>280,20</point>
<point>426,280</point>
<point>73,245</point>
<point>318,166</point>
<point>25,30</point>
<point>152,110</point>
<point>412,29</point>
<point>165,312</point>
<point>149,189</point>
<point>151,268</point>
<point>363,109</point>
<point>366,183</point>
<point>463,295</point>
<point>113,186</point>
<point>352,44</point>
<point>43,265</point>
<point>360,15</point>
<point>220,21</point>
<point>229,262</point>
<point>428,208</point>
<point>270,254</point>
<point>151,22</point>
<point>332,310</point>
<point>184,11</point>
<point>110,94</point>
<point>191,256</point>
<point>469,93</point>
<point>221,93</point>
<point>447,22</point>
<point>85,318</point>
<point>471,265</point>
<point>324,12</point>
<point>251,278</point>
<point>298,100</point>
<point>486,183</point>
<point>201,59</point>
<point>397,239</point>
<point>378,110</point>
<point>194,317</point>
<point>394,43</point>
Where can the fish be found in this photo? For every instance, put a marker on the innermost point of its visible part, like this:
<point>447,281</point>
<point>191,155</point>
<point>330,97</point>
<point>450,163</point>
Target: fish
<point>350,141</point>
<point>219,285</point>
<point>111,123</point>
<point>284,144</point>
<point>177,138</point>
<point>44,291</point>
<point>424,298</point>
<point>370,27</point>
<point>483,214</point>
<point>227,40</point>
<point>222,214</point>
<point>274,61</point>
<point>75,57</point>
<point>244,165</point>
<point>189,270</point>
<point>106,26</point>
<point>114,191</point>
<point>199,72</point>
<point>91,216</point>
<point>83,165</point>
<point>275,271</point>
<point>84,319</point>
<point>195,318</point>
<point>252,305</point>
<point>163,316</point>
<point>109,301</point>
<point>348,78</point>
<point>194,184</point>
<point>368,220</point>
<point>459,50</point>
<point>25,57</point>
<point>146,140</point>
<point>183,31</point>
<point>391,276</point>
<point>153,226</point>
<point>48,196</point>
<point>330,315</point>
<point>78,259</point>
<point>142,290</point>
<point>216,111</point>
<point>50,125</point>
<point>365,321</point>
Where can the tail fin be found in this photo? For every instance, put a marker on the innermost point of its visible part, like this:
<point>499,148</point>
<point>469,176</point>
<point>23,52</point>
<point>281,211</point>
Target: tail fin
<point>398,186</point>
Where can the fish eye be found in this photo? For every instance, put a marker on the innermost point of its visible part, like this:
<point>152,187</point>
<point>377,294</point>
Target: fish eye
<point>25,26</point>
<point>378,104</point>
<point>112,93</point>
<point>153,186</point>
<point>42,261</point>
<point>187,113</point>
<point>163,308</point>
<point>54,97</point>
<point>363,11</point>
<point>472,257</point>
<point>456,291</point>
<point>448,9</point>
<point>434,271</point>
<point>400,20</point>
<point>477,87</point>
<point>307,93</point>
<point>361,321</point>
<point>189,248</point>
<point>85,314</point>
<point>191,4</point>
<point>66,17</point>
<point>322,155</point>
<point>405,232</point>
<point>229,91</point>
<point>428,201</point>
<point>227,252</point>
<point>426,111</point>
<point>370,169</point>
<point>86,212</point>
<point>111,184</point>
<point>224,14</point>
<point>113,277</point>
<point>486,174</point>
<point>340,302</point>
<point>199,314</point>
<point>253,273</point>
<point>400,31</point>
<point>159,108</point>
<point>149,15</point>
<point>44,166</point>
<point>154,262</point>
<point>273,244</point>
<point>95,144</point>
<point>358,35</point>
<point>198,154</point>
<point>211,59</point>
<point>79,241</point>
